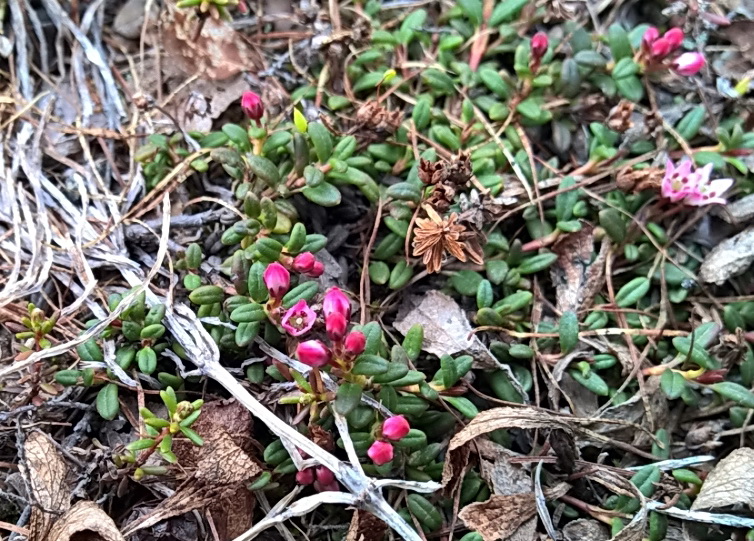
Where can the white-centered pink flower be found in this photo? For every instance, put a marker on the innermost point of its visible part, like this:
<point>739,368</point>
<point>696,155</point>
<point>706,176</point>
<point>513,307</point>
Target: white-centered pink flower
<point>693,186</point>
<point>299,319</point>
<point>706,191</point>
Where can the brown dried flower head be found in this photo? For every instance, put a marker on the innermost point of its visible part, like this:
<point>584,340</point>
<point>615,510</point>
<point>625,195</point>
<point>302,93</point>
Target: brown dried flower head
<point>434,236</point>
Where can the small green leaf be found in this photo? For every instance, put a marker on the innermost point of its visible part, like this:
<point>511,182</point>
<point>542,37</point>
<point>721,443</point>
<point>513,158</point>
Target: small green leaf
<point>321,139</point>
<point>325,194</point>
<point>630,87</point>
<point>569,331</point>
<point>347,398</point>
<point>195,438</point>
<point>672,383</point>
<point>107,401</point>
<point>734,391</point>
<point>425,512</point>
<point>632,292</point>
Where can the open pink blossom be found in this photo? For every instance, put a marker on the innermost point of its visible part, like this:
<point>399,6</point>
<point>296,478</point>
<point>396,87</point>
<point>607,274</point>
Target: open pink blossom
<point>693,186</point>
<point>689,64</point>
<point>336,302</point>
<point>706,191</point>
<point>313,353</point>
<point>678,182</point>
<point>381,452</point>
<point>299,319</point>
<point>395,428</point>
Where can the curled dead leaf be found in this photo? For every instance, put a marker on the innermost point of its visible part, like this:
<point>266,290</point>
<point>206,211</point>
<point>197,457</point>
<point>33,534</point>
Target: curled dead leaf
<point>85,521</point>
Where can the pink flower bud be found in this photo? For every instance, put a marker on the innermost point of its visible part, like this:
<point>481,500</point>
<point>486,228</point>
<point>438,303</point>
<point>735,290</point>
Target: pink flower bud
<point>539,44</point>
<point>324,475</point>
<point>313,353</point>
<point>336,302</point>
<point>317,269</point>
<point>674,36</point>
<point>381,452</point>
<point>252,105</point>
<point>304,262</point>
<point>325,487</point>
<point>305,477</point>
<point>661,48</point>
<point>336,325</point>
<point>650,36</point>
<point>689,63</point>
<point>355,343</point>
<point>395,428</point>
<point>277,279</point>
<point>299,319</point>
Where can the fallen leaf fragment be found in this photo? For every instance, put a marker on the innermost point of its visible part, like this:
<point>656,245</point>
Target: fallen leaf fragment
<point>729,258</point>
<point>85,521</point>
<point>730,483</point>
<point>365,527</point>
<point>585,529</point>
<point>500,516</point>
<point>46,472</point>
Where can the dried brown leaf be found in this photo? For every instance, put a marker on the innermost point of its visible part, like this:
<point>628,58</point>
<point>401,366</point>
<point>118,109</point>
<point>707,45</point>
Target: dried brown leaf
<point>730,483</point>
<point>576,279</point>
<point>85,521</point>
<point>46,472</point>
<point>365,527</point>
<point>493,419</point>
<point>206,46</point>
<point>222,467</point>
<point>500,516</point>
<point>585,529</point>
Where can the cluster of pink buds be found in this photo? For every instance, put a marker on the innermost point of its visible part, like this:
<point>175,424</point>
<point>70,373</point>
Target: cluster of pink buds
<point>660,52</point>
<point>336,309</point>
<point>322,479</point>
<point>693,186</point>
<point>252,106</point>
<point>393,429</point>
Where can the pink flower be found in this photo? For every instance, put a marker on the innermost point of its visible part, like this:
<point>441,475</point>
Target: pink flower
<point>689,63</point>
<point>324,475</point>
<point>299,319</point>
<point>317,269</point>
<point>674,36</point>
<point>539,44</point>
<point>313,353</point>
<point>336,303</point>
<point>395,428</point>
<point>277,279</point>
<point>660,48</point>
<point>355,343</point>
<point>693,187</point>
<point>304,262</point>
<point>706,191</point>
<point>252,105</point>
<point>381,452</point>
<point>336,326</point>
<point>305,477</point>
<point>678,182</point>
<point>649,37</point>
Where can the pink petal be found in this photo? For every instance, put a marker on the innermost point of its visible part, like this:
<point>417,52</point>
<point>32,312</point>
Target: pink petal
<point>719,186</point>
